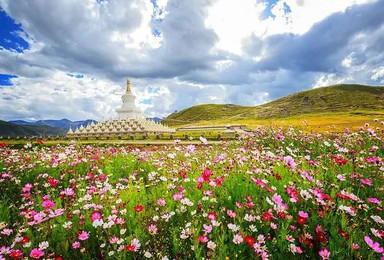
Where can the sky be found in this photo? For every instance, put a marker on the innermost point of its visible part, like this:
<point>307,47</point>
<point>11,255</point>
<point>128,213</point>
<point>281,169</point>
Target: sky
<point>70,58</point>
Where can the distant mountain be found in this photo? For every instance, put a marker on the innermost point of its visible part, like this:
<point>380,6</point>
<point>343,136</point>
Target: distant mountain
<point>11,129</point>
<point>338,98</point>
<point>63,123</point>
<point>156,119</point>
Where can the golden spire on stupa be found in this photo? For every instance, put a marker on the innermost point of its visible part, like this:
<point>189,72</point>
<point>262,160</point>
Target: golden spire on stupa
<point>128,85</point>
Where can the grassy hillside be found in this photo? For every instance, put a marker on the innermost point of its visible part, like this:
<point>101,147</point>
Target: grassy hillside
<point>343,100</point>
<point>10,129</point>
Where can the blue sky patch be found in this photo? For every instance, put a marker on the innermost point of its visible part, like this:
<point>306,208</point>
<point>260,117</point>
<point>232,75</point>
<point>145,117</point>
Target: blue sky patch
<point>9,38</point>
<point>5,79</point>
<point>153,89</point>
<point>146,101</point>
<point>267,11</point>
<point>78,76</point>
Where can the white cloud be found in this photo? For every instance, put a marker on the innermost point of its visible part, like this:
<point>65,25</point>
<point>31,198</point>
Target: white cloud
<point>233,21</point>
<point>58,95</point>
<point>378,74</point>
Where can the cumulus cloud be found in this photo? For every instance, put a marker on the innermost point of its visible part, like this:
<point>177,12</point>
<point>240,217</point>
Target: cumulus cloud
<point>181,53</point>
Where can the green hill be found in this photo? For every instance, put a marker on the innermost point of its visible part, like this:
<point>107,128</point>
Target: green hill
<point>10,129</point>
<point>351,98</point>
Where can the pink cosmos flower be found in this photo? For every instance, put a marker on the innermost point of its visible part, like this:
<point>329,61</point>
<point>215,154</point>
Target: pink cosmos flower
<point>48,204</point>
<point>83,236</point>
<point>152,229</point>
<point>340,177</point>
<point>279,201</point>
<point>237,239</point>
<point>303,214</point>
<point>231,213</point>
<point>324,253</point>
<point>207,228</point>
<point>7,231</point>
<point>178,196</point>
<point>355,246</point>
<point>76,244</point>
<point>161,202</point>
<point>113,240</point>
<point>288,160</point>
<point>36,253</point>
<point>374,200</point>
<point>374,245</point>
<point>366,182</point>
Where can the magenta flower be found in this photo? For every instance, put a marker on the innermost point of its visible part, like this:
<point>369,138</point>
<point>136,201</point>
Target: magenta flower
<point>366,182</point>
<point>203,239</point>
<point>95,216</point>
<point>374,200</point>
<point>303,214</point>
<point>374,245</point>
<point>36,253</point>
<point>48,204</point>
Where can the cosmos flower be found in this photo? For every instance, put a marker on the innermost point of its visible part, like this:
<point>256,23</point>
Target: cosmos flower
<point>36,253</point>
<point>375,246</point>
<point>83,235</point>
<point>324,253</point>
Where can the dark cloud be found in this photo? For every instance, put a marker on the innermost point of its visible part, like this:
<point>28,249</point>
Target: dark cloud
<point>327,43</point>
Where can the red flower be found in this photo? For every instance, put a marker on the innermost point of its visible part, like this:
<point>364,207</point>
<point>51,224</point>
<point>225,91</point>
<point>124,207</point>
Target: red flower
<point>53,182</point>
<point>301,220</point>
<point>183,175</point>
<point>139,207</point>
<point>343,234</point>
<point>249,240</point>
<point>207,174</point>
<point>341,196</point>
<point>321,237</point>
<point>40,142</point>
<point>267,216</point>
<point>3,145</point>
<point>25,240</point>
<point>212,216</point>
<point>277,176</point>
<point>16,254</point>
<point>340,161</point>
<point>130,248</point>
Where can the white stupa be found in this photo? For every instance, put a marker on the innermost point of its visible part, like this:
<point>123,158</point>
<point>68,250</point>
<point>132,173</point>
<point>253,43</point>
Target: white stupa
<point>128,110</point>
<point>130,121</point>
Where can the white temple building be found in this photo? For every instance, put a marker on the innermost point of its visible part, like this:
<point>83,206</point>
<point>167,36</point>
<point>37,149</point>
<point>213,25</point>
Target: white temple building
<point>129,121</point>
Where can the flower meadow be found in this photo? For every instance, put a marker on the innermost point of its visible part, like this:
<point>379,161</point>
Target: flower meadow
<point>278,194</point>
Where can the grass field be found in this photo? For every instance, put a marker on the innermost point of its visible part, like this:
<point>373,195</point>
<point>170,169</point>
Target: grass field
<point>320,122</point>
<point>279,194</point>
